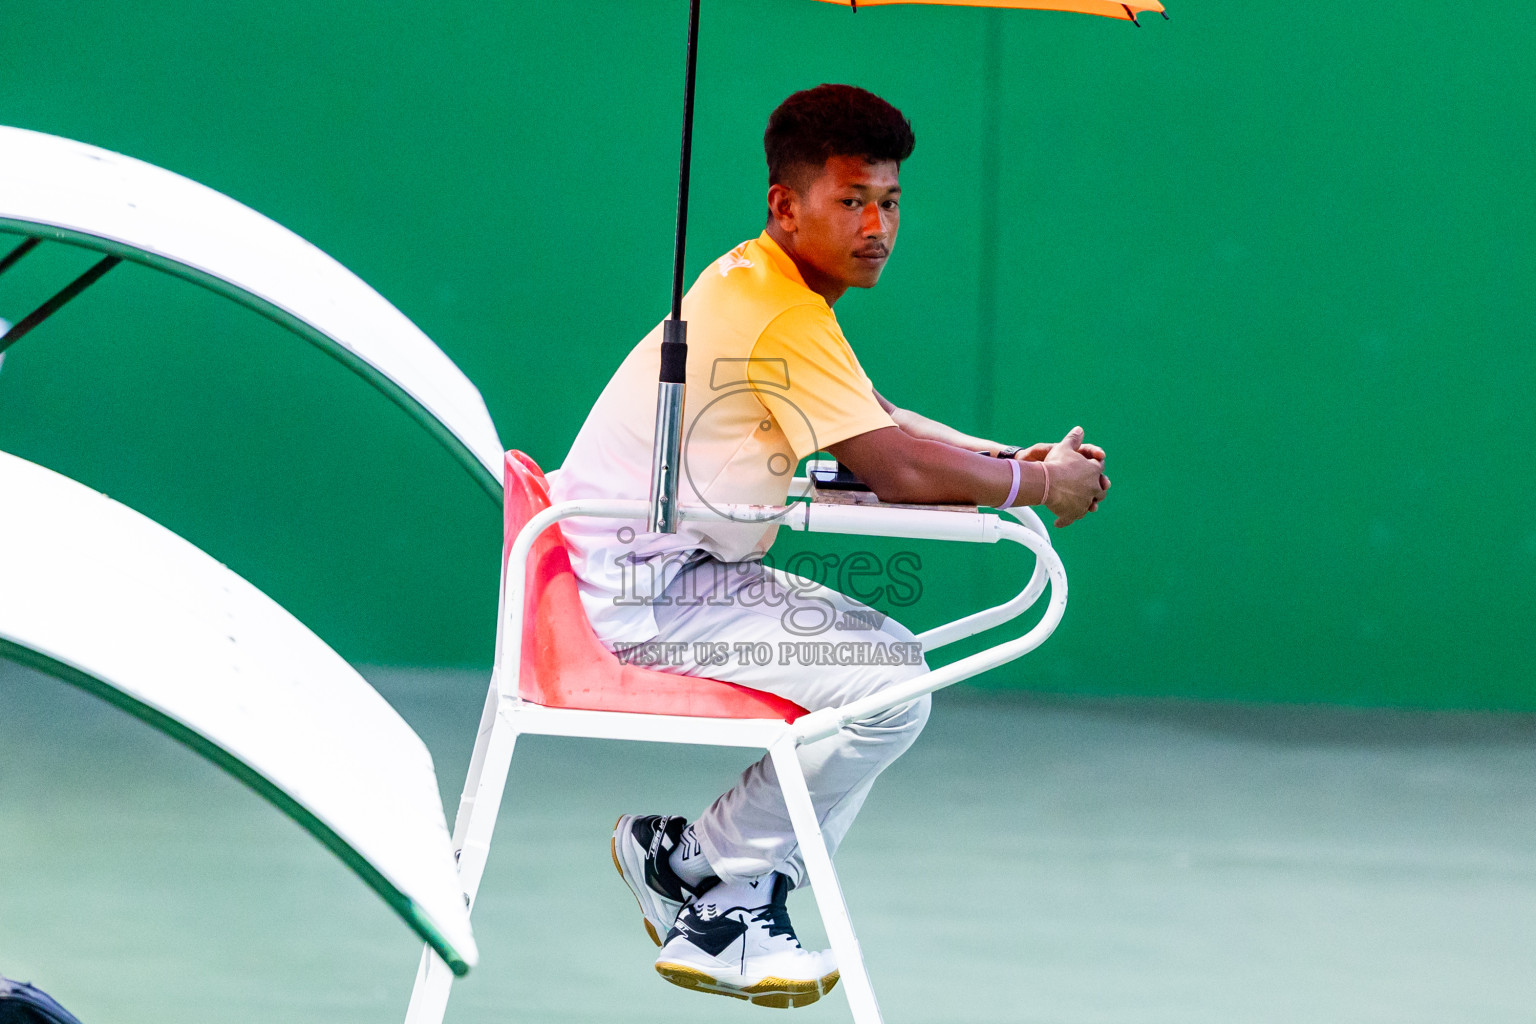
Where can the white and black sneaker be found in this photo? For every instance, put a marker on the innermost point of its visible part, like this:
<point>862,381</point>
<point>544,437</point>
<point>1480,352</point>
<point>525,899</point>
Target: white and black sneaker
<point>642,847</point>
<point>736,940</point>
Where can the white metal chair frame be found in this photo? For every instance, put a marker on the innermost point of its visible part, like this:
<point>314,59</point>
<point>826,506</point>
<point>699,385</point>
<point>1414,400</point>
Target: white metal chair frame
<point>506,715</point>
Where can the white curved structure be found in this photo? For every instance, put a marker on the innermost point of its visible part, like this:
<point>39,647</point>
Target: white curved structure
<point>66,191</point>
<point>98,595</point>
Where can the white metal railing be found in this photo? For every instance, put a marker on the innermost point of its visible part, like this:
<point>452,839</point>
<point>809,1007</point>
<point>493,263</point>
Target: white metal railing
<point>861,520</point>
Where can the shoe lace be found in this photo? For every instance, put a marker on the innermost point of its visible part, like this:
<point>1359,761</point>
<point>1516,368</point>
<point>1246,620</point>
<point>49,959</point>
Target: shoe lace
<point>776,917</point>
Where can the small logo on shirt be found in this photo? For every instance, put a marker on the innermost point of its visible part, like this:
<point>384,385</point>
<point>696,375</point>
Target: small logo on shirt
<point>730,261</point>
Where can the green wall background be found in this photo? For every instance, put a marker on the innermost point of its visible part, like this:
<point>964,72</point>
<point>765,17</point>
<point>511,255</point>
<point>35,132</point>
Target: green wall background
<point>1277,259</point>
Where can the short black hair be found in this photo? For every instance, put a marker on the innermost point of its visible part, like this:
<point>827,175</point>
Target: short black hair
<point>816,124</point>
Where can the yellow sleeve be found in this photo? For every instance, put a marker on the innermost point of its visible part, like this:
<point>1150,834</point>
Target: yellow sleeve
<point>821,379</point>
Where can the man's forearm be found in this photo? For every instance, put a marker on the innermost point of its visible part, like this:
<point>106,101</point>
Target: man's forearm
<point>922,427</point>
<point>901,468</point>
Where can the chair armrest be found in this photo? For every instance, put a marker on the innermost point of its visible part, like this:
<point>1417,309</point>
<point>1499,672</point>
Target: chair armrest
<point>998,614</point>
<point>887,521</point>
<point>821,724</point>
<point>924,524</point>
<point>915,524</point>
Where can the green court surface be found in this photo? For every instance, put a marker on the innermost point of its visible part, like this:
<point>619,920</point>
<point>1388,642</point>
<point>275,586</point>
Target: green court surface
<point>1031,860</point>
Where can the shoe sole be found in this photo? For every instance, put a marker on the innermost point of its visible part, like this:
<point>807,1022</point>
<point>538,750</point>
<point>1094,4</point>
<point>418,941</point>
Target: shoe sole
<point>613,849</point>
<point>778,993</point>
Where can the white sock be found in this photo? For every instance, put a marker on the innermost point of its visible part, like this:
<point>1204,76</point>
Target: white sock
<point>750,893</point>
<point>687,859</point>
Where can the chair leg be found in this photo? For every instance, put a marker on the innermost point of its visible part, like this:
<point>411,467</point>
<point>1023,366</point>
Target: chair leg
<point>429,996</point>
<point>472,829</point>
<point>829,895</point>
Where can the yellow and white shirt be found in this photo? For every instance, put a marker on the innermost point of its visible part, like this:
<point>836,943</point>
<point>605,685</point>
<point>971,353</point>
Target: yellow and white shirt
<point>771,379</point>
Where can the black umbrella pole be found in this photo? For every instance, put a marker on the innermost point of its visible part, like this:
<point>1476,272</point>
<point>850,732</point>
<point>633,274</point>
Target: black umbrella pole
<point>667,443</point>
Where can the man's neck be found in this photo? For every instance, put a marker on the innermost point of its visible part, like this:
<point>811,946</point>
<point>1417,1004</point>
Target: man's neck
<point>814,279</point>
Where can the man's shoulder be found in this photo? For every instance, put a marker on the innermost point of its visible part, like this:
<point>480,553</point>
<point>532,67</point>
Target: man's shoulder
<point>755,276</point>
<point>739,258</point>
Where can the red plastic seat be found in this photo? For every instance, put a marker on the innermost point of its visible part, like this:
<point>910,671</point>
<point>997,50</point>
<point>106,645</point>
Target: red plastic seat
<point>564,665</point>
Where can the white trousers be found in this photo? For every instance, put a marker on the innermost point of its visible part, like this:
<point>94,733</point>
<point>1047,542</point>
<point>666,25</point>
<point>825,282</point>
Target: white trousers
<point>750,624</point>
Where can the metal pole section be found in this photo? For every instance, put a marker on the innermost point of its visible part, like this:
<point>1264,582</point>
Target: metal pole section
<point>667,445</point>
<point>685,162</point>
<point>52,306</point>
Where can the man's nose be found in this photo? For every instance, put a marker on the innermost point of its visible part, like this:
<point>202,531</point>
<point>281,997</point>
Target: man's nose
<point>873,225</point>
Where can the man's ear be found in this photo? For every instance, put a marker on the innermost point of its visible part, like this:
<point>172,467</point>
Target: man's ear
<point>784,207</point>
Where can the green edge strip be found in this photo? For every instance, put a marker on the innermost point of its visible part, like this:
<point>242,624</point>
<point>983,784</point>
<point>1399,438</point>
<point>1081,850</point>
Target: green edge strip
<point>264,787</point>
<point>489,480</point>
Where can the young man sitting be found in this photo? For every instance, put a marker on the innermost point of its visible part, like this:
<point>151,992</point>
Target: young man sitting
<point>771,380</point>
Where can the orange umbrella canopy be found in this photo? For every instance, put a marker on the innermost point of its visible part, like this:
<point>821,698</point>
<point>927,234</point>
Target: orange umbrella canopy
<point>1103,8</point>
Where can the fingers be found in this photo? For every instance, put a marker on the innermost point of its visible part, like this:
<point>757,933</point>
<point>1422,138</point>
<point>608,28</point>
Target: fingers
<point>1069,444</point>
<point>1035,452</point>
<point>1077,482</point>
<point>1093,504</point>
<point>1103,490</point>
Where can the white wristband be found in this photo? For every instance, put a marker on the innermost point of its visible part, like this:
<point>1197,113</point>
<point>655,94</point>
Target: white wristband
<point>1013,492</point>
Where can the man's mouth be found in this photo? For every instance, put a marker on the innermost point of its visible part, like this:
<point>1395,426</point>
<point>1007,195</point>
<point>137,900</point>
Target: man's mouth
<point>872,254</point>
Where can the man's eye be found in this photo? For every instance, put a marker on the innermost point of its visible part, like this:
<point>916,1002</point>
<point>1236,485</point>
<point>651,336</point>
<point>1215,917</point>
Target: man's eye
<point>889,204</point>
<point>851,204</point>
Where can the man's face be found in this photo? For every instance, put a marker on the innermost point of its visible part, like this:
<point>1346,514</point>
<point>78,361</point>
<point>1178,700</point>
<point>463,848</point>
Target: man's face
<point>844,222</point>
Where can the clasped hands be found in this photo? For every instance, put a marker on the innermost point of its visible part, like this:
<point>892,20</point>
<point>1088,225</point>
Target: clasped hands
<point>1077,480</point>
